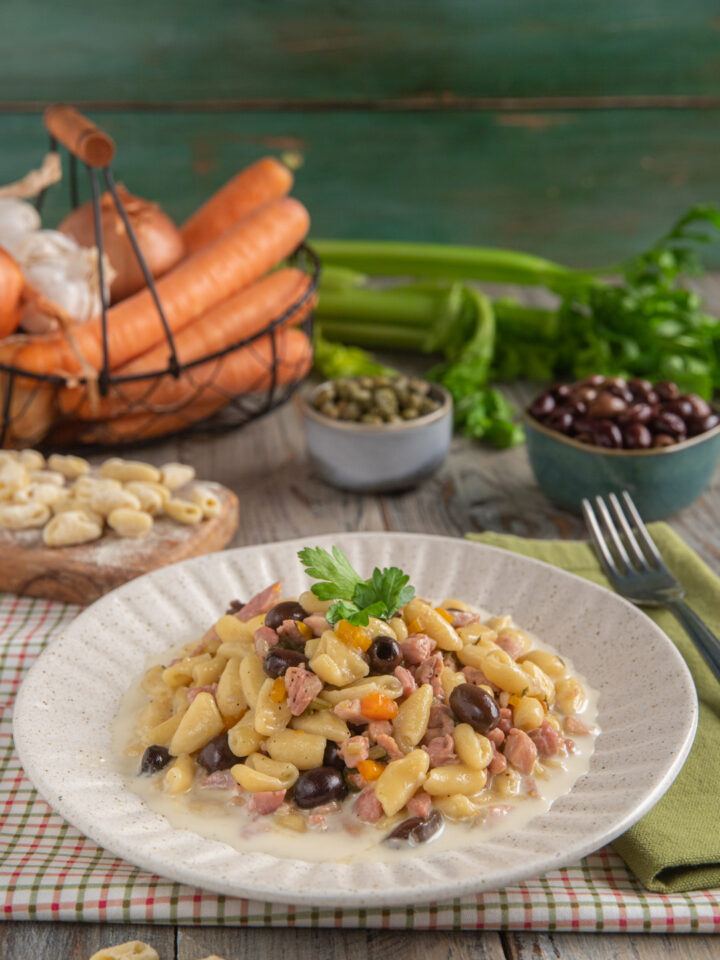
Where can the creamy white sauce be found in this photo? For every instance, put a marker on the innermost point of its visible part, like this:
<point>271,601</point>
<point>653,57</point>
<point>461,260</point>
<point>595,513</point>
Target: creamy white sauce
<point>208,812</point>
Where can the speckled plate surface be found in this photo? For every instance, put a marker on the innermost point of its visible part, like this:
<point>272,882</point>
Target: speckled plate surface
<point>65,708</point>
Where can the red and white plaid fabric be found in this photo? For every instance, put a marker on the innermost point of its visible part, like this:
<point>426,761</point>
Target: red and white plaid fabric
<point>49,871</point>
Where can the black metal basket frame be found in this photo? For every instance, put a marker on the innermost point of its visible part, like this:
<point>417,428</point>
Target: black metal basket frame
<point>106,379</point>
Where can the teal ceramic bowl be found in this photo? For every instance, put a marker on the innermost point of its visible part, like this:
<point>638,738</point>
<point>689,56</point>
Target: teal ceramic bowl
<point>660,481</point>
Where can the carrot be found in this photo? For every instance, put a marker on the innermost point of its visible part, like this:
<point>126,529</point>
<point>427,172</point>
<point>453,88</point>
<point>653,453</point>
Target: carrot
<point>253,187</point>
<point>233,320</point>
<point>245,370</point>
<point>195,285</point>
<point>378,706</point>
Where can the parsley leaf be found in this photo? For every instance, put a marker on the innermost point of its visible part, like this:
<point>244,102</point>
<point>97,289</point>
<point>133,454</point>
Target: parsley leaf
<point>335,568</point>
<point>356,600</point>
<point>389,586</point>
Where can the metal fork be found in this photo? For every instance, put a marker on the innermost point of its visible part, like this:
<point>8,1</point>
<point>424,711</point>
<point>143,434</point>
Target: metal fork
<point>636,570</point>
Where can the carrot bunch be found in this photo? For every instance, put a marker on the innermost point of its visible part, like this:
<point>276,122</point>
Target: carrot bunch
<point>224,291</point>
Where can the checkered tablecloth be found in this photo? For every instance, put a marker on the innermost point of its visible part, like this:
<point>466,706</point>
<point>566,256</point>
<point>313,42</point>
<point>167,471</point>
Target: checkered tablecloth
<point>49,871</point>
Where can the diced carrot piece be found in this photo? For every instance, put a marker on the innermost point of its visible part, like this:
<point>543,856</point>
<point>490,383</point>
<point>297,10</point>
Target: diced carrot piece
<point>378,706</point>
<point>370,770</point>
<point>352,635</point>
<point>278,692</point>
<point>304,629</point>
<point>445,614</point>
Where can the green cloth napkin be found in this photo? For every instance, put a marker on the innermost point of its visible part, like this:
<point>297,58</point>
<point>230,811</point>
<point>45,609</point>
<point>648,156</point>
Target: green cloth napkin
<point>676,846</point>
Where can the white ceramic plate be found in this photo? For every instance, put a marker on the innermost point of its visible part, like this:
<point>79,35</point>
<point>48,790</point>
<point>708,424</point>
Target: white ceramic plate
<point>647,714</point>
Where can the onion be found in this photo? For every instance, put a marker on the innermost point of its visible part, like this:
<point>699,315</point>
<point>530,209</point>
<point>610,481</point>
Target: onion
<point>11,287</point>
<point>158,237</point>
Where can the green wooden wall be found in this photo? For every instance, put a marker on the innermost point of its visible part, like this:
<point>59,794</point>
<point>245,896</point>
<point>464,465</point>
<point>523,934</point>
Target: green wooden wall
<point>574,129</point>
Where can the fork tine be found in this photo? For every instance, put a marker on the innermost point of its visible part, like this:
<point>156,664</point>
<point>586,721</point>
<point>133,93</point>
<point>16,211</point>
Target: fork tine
<point>614,535</point>
<point>646,539</point>
<point>627,531</point>
<point>606,557</point>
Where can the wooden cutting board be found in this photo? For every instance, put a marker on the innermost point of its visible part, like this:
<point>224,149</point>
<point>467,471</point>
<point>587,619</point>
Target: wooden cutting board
<point>83,573</point>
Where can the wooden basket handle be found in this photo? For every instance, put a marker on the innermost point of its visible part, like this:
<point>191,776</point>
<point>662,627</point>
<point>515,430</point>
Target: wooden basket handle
<point>89,143</point>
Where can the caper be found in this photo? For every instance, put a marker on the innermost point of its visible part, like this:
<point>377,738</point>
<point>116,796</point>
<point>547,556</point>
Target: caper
<point>330,410</point>
<point>350,410</point>
<point>371,418</point>
<point>410,413</point>
<point>386,400</point>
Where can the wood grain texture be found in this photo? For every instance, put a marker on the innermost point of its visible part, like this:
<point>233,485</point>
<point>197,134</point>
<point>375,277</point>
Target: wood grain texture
<point>83,573</point>
<point>583,188</point>
<point>77,941</point>
<point>598,946</point>
<point>147,50</point>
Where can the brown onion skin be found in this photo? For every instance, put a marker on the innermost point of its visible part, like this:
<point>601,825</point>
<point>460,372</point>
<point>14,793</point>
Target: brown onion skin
<point>160,240</point>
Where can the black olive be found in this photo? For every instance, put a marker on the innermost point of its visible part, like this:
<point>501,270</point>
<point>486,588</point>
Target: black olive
<point>384,654</point>
<point>278,659</point>
<point>667,390</point>
<point>475,706</point>
<point>318,786</point>
<point>669,423</point>
<point>416,830</point>
<point>637,436</point>
<point>287,610</point>
<point>154,759</point>
<point>217,755</point>
<point>698,425</point>
<point>234,607</point>
<point>331,757</point>
<point>542,406</point>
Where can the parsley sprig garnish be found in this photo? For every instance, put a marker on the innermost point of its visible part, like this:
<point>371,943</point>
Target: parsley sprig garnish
<point>356,600</point>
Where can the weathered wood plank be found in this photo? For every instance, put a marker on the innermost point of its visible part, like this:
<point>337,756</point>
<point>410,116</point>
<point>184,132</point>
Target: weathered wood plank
<point>585,188</point>
<point>337,944</point>
<point>315,50</point>
<point>597,946</point>
<point>77,941</point>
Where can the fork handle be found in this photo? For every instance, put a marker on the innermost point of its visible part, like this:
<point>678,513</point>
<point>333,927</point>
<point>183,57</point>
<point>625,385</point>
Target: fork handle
<point>700,634</point>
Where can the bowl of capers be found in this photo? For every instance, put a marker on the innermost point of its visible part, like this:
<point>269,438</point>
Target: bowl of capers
<point>377,434</point>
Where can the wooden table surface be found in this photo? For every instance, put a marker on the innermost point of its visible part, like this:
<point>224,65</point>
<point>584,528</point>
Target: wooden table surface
<point>477,489</point>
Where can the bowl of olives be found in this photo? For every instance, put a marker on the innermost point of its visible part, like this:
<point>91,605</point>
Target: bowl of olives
<point>601,435</point>
<point>377,434</point>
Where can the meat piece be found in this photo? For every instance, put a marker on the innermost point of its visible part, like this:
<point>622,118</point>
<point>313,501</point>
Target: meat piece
<point>462,618</point>
<point>441,750</point>
<point>420,805</point>
<point>575,725</point>
<point>520,750</point>
<point>302,687</point>
<point>547,740</point>
<point>317,818</point>
<point>498,764</point>
<point>506,719</point>
<point>317,623</point>
<point>265,802</point>
<point>379,727</point>
<point>350,710</point>
<point>570,745</point>
<point>354,750</point>
<point>417,648</point>
<point>367,807</point>
<point>289,630</point>
<point>219,780</point>
<point>406,679</point>
<point>496,737</point>
<point>441,722</point>
<point>260,603</point>
<point>192,692</point>
<point>264,638</point>
<point>390,746</point>
<point>429,672</point>
<point>210,636</point>
<point>530,787</point>
<point>476,676</point>
<point>511,645</point>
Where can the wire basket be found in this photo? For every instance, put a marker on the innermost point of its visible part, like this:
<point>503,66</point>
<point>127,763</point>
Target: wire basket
<point>31,414</point>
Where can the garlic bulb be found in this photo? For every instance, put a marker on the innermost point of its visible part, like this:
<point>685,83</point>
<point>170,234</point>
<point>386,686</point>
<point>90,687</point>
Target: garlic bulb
<point>56,267</point>
<point>17,219</point>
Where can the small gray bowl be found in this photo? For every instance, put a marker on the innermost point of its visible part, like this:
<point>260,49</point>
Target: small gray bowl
<point>378,458</point>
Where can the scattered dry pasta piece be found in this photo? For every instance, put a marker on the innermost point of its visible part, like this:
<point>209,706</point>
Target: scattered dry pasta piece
<point>106,501</point>
<point>183,511</point>
<point>206,500</point>
<point>70,528</point>
<point>175,475</point>
<point>118,469</point>
<point>151,498</point>
<point>132,950</point>
<point>24,516</point>
<point>130,523</point>
<point>31,459</point>
<point>69,466</point>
